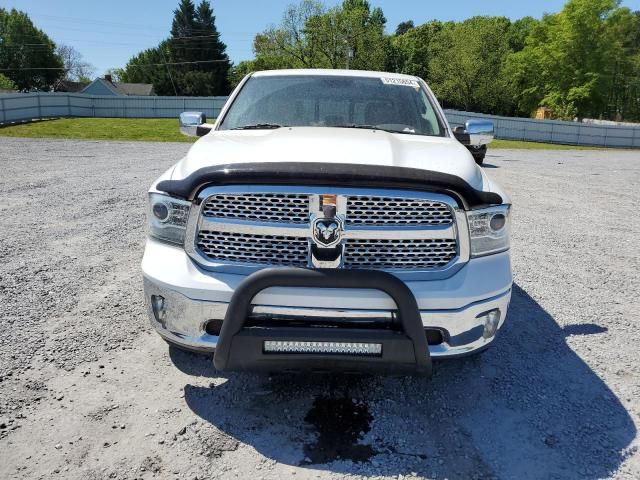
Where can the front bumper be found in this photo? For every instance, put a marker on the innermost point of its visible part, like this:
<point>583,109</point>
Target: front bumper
<point>454,306</point>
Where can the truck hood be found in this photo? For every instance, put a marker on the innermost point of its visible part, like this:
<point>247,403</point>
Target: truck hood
<point>332,145</point>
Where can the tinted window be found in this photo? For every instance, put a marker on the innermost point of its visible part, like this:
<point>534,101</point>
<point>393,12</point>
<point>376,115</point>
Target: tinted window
<point>334,101</point>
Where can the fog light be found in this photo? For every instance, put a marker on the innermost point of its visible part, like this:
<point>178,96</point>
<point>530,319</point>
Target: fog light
<point>159,308</point>
<point>491,322</point>
<point>338,348</point>
<point>213,327</point>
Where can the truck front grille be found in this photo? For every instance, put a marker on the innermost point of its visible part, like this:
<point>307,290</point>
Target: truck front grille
<point>393,231</point>
<point>374,210</point>
<point>422,254</point>
<point>254,249</point>
<point>263,207</point>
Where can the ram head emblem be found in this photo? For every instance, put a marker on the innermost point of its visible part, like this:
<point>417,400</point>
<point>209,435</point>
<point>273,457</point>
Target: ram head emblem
<point>326,231</point>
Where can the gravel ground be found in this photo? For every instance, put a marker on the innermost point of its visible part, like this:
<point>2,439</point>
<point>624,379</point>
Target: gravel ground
<point>88,391</point>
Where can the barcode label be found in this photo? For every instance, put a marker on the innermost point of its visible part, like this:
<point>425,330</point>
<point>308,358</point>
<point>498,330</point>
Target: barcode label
<point>404,82</point>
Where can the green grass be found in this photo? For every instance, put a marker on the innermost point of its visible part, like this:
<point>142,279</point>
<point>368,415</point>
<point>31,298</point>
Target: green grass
<point>147,129</point>
<point>520,145</point>
<point>166,130</point>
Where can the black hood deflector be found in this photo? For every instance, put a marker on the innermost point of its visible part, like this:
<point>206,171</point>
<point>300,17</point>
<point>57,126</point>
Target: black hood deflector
<point>330,175</point>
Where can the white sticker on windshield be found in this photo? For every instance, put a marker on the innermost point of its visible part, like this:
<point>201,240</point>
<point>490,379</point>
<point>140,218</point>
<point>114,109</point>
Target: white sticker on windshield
<point>404,82</point>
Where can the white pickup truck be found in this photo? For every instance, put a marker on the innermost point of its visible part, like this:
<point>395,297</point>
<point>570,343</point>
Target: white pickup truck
<point>329,220</point>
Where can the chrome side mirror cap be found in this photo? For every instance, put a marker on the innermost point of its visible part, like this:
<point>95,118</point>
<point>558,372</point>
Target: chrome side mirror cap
<point>194,124</point>
<point>480,132</point>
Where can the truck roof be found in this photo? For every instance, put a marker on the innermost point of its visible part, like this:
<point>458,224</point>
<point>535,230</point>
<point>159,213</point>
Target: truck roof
<point>332,72</point>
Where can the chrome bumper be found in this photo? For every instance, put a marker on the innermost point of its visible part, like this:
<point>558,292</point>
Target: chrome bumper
<point>182,320</point>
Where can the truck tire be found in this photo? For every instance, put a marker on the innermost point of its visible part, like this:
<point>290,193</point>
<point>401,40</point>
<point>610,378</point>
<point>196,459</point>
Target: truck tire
<point>478,153</point>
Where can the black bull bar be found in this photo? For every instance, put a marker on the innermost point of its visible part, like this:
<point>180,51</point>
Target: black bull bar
<point>403,351</point>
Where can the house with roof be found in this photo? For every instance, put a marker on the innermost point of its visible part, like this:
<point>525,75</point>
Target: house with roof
<point>106,86</point>
<point>69,86</point>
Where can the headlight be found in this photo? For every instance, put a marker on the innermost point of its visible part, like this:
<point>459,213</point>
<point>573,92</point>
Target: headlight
<point>489,230</point>
<point>168,218</point>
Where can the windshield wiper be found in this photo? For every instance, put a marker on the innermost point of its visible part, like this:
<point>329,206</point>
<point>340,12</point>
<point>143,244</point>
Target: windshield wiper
<point>374,127</point>
<point>355,125</point>
<point>258,126</point>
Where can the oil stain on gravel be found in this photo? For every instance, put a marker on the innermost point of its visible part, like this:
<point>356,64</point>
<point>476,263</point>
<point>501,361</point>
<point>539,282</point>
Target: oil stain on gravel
<point>339,422</point>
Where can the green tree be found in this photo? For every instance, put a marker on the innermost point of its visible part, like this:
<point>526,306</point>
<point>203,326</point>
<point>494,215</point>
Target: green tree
<point>404,27</point>
<point>411,52</point>
<point>150,66</point>
<point>7,84</point>
<point>27,55</point>
<point>206,47</point>
<point>184,20</point>
<point>621,80</point>
<point>287,45</point>
<point>519,31</point>
<point>467,62</point>
<point>584,60</point>
<point>310,36</point>
<point>567,61</point>
<point>183,29</point>
<point>240,70</point>
<point>193,61</point>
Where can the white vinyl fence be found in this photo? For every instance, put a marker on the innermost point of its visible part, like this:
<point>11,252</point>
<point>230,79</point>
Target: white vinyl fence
<point>554,131</point>
<point>19,107</point>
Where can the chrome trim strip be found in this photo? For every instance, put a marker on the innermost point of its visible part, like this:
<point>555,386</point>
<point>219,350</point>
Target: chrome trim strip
<point>401,233</point>
<point>328,313</point>
<point>295,230</point>
<point>462,235</point>
<point>260,228</point>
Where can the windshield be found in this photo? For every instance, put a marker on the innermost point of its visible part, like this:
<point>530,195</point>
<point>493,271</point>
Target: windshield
<point>392,104</point>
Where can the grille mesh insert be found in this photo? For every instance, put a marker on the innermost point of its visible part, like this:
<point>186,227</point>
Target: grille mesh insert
<point>265,207</point>
<point>364,209</point>
<point>254,249</point>
<point>421,254</point>
<point>373,210</point>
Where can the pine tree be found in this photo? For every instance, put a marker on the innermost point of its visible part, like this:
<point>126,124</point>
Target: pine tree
<point>184,20</point>
<point>194,43</point>
<point>182,28</point>
<point>195,38</point>
<point>212,48</point>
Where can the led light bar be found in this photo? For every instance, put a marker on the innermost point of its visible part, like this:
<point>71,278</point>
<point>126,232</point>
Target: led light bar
<point>338,348</point>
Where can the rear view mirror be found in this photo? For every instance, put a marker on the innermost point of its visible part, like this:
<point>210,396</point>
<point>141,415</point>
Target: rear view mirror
<point>475,133</point>
<point>194,124</point>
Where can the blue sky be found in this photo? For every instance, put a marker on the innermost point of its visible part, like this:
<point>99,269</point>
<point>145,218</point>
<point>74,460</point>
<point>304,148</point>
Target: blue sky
<point>106,33</point>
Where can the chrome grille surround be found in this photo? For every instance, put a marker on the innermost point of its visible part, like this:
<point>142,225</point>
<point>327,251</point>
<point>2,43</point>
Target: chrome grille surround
<point>377,210</point>
<point>409,250</point>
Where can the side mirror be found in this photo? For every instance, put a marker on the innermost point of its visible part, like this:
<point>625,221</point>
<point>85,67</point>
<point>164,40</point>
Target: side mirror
<point>194,124</point>
<point>475,133</point>
<point>480,132</point>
